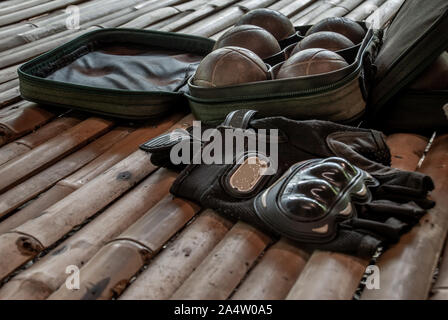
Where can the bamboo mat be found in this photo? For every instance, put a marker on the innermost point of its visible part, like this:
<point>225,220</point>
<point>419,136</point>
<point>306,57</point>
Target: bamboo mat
<point>75,190</point>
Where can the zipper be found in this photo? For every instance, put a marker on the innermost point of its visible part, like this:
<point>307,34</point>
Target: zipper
<point>306,92</point>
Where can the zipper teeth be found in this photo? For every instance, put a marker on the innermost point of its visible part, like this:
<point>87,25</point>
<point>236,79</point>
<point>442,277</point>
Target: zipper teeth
<point>331,86</point>
<point>306,92</point>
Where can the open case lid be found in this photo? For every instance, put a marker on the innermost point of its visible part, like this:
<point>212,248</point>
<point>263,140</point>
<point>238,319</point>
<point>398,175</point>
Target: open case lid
<point>416,37</point>
<point>125,73</point>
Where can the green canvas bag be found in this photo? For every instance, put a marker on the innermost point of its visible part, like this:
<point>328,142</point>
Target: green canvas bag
<point>124,73</point>
<point>415,38</point>
<point>139,74</point>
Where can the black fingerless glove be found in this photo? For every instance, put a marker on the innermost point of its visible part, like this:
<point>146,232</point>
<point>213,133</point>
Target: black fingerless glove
<point>332,188</point>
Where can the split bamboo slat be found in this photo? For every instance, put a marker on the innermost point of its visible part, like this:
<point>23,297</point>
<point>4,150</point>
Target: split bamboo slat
<point>48,274</point>
<point>9,96</point>
<point>221,271</point>
<point>34,208</point>
<point>440,289</point>
<point>8,74</point>
<point>32,140</point>
<point>365,9</point>
<point>40,182</point>
<point>109,271</point>
<point>39,43</point>
<point>280,4</point>
<point>224,18</point>
<point>174,264</point>
<point>36,10</point>
<point>24,242</point>
<point>63,188</point>
<point>20,119</point>
<point>77,191</point>
<point>198,12</point>
<point>273,277</point>
<point>163,23</point>
<point>87,12</point>
<point>329,275</point>
<point>296,7</point>
<point>384,13</point>
<point>151,17</point>
<point>313,14</point>
<point>54,149</point>
<point>339,10</point>
<point>407,268</point>
<point>13,7</point>
<point>314,6</point>
<point>9,85</point>
<point>12,57</point>
<point>139,10</point>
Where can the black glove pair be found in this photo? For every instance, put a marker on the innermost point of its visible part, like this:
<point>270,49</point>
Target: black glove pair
<point>332,188</point>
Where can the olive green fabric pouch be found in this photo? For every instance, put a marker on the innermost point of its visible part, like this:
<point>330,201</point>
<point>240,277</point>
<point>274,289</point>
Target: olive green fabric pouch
<point>338,96</point>
<point>125,73</point>
<point>138,74</point>
<point>415,38</point>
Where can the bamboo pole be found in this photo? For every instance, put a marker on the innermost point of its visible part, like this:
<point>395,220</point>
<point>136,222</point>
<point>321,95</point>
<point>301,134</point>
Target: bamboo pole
<point>163,23</point>
<point>9,96</point>
<point>8,3</point>
<point>406,150</point>
<point>364,10</point>
<point>313,14</point>
<point>273,277</point>
<point>295,18</point>
<point>280,4</point>
<point>41,21</point>
<point>384,13</point>
<point>47,153</point>
<point>12,56</point>
<point>20,119</point>
<point>8,74</point>
<point>150,18</point>
<point>197,14</point>
<point>36,10</point>
<point>49,272</point>
<point>173,265</point>
<point>23,243</point>
<point>138,11</point>
<point>221,271</point>
<point>35,208</point>
<point>184,9</point>
<point>439,290</point>
<point>113,266</point>
<point>63,188</point>
<point>339,10</point>
<point>33,186</point>
<point>295,7</point>
<point>51,26</point>
<point>9,85</point>
<point>224,18</point>
<point>20,6</point>
<point>36,138</point>
<point>329,275</point>
<point>407,268</point>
